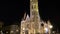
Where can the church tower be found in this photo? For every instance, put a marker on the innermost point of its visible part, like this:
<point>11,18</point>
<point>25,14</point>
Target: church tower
<point>34,15</point>
<point>32,24</point>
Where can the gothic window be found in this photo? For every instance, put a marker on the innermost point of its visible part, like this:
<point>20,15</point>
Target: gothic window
<point>37,33</point>
<point>33,13</point>
<point>37,17</point>
<point>31,33</point>
<point>23,32</point>
<point>26,32</point>
<point>42,24</point>
<point>32,6</point>
<point>27,25</point>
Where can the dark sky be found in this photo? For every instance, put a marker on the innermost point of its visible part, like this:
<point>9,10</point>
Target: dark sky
<point>12,11</point>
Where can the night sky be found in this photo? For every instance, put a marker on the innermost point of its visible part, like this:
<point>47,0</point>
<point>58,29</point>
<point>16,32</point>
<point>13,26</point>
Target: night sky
<point>13,11</point>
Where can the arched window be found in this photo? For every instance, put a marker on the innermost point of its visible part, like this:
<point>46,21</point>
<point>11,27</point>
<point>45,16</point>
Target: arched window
<point>26,32</point>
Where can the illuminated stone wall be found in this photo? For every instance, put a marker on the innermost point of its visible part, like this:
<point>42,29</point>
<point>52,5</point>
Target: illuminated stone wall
<point>14,29</point>
<point>32,24</point>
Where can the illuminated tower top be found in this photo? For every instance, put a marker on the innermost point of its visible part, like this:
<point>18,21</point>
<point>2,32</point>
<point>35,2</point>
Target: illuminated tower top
<point>34,13</point>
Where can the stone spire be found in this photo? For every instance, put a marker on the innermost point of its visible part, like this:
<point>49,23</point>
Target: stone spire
<point>24,17</point>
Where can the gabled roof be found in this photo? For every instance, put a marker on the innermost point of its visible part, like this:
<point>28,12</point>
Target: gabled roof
<point>27,17</point>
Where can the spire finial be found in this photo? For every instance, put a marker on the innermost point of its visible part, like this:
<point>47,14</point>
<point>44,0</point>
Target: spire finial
<point>24,16</point>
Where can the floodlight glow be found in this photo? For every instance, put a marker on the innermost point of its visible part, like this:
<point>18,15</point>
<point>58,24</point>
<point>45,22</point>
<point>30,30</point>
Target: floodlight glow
<point>11,32</point>
<point>51,26</point>
<point>46,30</point>
<point>23,28</point>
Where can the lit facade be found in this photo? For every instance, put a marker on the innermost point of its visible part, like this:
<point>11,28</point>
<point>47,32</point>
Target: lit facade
<point>1,27</point>
<point>32,24</point>
<point>14,29</point>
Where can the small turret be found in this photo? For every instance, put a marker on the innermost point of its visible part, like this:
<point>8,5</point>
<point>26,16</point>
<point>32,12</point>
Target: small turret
<point>24,17</point>
<point>27,17</point>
